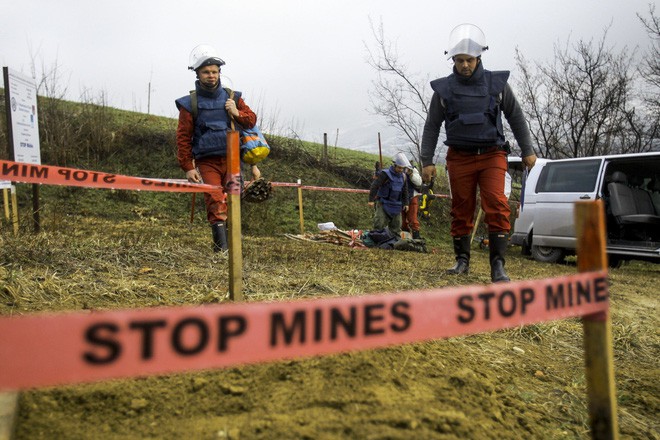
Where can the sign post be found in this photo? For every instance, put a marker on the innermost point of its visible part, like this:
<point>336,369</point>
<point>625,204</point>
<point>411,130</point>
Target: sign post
<point>23,127</point>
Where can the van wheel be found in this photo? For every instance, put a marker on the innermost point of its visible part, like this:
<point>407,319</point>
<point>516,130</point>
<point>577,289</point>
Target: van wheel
<point>546,254</point>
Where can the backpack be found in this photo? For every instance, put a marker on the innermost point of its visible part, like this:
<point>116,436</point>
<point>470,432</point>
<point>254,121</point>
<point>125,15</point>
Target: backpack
<point>381,238</point>
<point>411,244</point>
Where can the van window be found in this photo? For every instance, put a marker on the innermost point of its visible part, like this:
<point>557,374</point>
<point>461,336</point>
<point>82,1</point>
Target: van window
<point>570,176</point>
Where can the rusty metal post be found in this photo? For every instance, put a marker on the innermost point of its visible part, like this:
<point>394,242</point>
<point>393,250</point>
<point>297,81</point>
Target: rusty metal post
<point>599,356</point>
<point>380,152</point>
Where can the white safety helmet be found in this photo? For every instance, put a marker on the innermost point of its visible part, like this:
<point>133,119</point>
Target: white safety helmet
<point>204,55</point>
<point>466,39</point>
<point>401,160</point>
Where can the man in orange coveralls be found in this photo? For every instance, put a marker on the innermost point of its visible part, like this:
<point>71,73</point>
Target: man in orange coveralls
<point>470,103</point>
<point>201,135</point>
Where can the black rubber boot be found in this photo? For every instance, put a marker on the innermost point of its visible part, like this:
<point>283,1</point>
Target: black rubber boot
<point>462,251</point>
<point>219,237</point>
<point>497,244</point>
<point>415,235</point>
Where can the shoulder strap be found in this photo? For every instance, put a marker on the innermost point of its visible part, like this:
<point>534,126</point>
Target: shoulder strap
<point>230,92</point>
<point>231,96</point>
<point>193,104</point>
<point>195,110</point>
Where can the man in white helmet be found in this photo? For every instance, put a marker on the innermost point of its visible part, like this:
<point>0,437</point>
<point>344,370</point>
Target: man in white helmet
<point>389,195</point>
<point>470,102</point>
<point>205,116</point>
<point>410,218</point>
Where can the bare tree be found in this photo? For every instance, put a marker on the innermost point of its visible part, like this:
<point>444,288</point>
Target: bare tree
<point>68,130</point>
<point>399,96</point>
<point>55,127</point>
<point>583,103</point>
<point>650,69</point>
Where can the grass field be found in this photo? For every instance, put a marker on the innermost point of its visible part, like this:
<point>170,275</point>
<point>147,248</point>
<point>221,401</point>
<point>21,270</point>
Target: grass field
<point>522,383</point>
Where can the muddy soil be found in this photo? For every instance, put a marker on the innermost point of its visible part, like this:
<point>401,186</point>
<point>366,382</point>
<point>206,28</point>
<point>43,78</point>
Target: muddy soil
<point>524,383</point>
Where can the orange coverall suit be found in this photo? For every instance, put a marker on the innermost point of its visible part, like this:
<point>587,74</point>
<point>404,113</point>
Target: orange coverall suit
<point>212,169</point>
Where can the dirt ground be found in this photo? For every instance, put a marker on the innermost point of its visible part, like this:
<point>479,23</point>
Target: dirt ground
<point>524,383</point>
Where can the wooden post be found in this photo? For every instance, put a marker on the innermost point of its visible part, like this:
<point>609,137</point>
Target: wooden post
<point>325,148</point>
<point>300,208</point>
<point>5,202</point>
<point>336,140</point>
<point>192,208</point>
<point>380,152</point>
<point>8,410</point>
<point>599,357</point>
<point>476,224</point>
<point>36,218</point>
<point>14,209</point>
<point>233,192</point>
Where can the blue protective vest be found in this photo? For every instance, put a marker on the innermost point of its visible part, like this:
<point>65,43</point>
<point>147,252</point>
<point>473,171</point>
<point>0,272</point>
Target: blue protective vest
<point>472,114</point>
<point>390,194</point>
<point>212,122</point>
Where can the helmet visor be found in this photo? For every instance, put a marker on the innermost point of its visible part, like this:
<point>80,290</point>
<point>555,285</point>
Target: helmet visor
<point>401,160</point>
<point>466,39</point>
<point>204,55</point>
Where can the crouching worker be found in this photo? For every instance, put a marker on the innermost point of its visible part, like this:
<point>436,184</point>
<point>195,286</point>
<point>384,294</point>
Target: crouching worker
<point>410,218</point>
<point>205,116</point>
<point>389,195</point>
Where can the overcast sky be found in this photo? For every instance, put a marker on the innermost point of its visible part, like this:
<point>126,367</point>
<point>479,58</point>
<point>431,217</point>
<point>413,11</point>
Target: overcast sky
<point>301,63</point>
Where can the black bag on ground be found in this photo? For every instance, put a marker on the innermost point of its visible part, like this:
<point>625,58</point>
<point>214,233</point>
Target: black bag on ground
<point>381,238</point>
<point>411,245</point>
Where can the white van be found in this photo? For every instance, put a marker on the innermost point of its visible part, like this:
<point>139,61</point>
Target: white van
<point>629,184</point>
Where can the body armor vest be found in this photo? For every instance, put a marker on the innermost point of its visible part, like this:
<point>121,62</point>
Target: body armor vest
<point>390,193</point>
<point>211,123</point>
<point>472,113</point>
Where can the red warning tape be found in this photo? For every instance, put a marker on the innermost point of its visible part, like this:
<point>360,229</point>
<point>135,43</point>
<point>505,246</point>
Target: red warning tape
<point>57,349</point>
<point>52,175</point>
<point>325,188</point>
<point>319,188</point>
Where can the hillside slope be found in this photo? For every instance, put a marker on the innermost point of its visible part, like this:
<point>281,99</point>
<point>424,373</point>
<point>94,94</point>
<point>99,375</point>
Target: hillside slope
<point>97,138</point>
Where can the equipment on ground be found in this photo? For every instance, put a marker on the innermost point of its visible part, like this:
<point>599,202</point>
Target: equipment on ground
<point>257,191</point>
